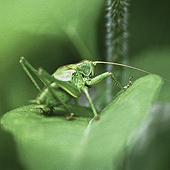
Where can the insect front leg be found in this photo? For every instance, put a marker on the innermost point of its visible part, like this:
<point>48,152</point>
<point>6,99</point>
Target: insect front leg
<point>99,78</point>
<point>129,83</point>
<point>85,90</point>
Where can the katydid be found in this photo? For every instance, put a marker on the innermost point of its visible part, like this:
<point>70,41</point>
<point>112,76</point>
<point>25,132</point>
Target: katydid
<point>69,82</point>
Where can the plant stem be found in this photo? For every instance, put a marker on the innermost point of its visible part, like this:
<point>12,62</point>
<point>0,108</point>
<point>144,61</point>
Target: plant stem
<point>116,40</point>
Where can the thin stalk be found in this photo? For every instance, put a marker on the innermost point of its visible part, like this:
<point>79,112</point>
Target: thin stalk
<point>116,41</point>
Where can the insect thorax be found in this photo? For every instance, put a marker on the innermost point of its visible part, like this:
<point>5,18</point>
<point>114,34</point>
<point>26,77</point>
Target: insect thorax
<point>83,72</point>
<point>86,68</point>
<point>78,80</point>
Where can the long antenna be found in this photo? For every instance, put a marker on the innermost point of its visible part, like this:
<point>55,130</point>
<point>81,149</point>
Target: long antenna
<point>131,67</point>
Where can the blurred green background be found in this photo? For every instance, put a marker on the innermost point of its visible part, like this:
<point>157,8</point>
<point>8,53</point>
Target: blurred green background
<point>43,32</point>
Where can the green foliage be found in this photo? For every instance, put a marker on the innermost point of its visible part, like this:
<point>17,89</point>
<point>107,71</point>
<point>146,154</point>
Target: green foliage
<point>148,25</point>
<point>8,154</point>
<point>117,14</point>
<point>148,147</point>
<point>53,142</point>
<point>50,34</point>
<point>116,40</point>
<point>40,31</point>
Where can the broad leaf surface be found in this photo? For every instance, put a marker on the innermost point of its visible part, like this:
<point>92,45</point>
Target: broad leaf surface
<point>148,147</point>
<point>53,142</point>
<point>156,60</point>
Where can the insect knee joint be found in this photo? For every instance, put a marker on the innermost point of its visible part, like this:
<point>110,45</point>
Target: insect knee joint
<point>109,73</point>
<point>22,60</point>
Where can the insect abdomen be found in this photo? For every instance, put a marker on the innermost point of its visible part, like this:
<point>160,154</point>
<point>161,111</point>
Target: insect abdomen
<point>49,99</point>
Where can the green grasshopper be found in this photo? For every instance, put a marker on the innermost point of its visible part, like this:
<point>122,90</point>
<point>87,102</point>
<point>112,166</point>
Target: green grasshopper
<point>69,82</point>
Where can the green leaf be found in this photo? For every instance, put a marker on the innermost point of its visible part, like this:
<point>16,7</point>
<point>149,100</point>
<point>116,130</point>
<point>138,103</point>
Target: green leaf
<point>8,154</point>
<point>53,142</point>
<point>148,147</point>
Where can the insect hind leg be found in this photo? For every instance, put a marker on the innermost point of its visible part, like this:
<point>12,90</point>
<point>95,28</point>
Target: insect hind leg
<point>96,116</point>
<point>27,67</point>
<point>54,93</point>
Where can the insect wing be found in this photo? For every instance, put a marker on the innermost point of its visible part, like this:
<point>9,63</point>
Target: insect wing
<point>64,73</point>
<point>69,88</point>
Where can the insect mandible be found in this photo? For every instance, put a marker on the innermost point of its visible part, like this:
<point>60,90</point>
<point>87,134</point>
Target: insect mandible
<point>69,82</point>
